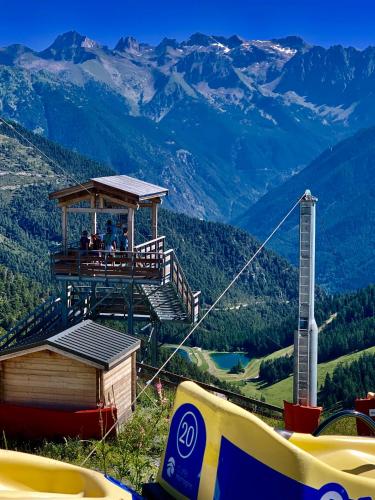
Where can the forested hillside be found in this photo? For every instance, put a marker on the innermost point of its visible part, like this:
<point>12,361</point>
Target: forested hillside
<point>343,180</point>
<point>17,296</point>
<point>349,381</point>
<point>351,329</point>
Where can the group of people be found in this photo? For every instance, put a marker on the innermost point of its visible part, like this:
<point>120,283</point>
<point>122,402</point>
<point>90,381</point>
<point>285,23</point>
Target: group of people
<point>111,241</point>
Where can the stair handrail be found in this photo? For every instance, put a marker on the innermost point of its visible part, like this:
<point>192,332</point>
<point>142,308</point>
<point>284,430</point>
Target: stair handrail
<point>37,312</point>
<point>23,325</point>
<point>189,298</point>
<point>77,306</point>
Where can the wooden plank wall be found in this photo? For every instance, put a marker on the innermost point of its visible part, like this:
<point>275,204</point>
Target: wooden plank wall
<point>48,379</point>
<point>117,388</point>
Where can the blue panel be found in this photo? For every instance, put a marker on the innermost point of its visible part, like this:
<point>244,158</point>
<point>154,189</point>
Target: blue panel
<point>185,450</point>
<point>240,475</point>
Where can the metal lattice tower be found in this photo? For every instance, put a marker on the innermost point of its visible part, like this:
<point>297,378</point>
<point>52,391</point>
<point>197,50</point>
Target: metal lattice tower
<point>306,337</point>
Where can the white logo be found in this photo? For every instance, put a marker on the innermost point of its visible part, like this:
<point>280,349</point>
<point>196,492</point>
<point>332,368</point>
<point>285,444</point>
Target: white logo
<point>170,466</point>
<point>332,495</point>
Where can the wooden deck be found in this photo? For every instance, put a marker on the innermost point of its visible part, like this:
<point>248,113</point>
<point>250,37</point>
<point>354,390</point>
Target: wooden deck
<point>159,273</point>
<point>146,262</point>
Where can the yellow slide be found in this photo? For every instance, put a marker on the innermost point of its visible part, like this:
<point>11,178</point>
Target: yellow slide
<point>28,476</point>
<point>216,450</point>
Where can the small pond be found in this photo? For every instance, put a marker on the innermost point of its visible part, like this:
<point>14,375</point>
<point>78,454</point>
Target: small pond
<point>226,360</point>
<point>183,353</point>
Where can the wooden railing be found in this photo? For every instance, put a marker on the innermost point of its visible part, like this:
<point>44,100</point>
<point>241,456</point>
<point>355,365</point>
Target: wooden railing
<point>105,264</point>
<point>148,261</point>
<point>152,246</point>
<point>252,404</point>
<point>173,273</point>
<point>46,318</point>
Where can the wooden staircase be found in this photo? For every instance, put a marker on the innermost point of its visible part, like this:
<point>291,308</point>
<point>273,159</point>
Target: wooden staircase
<point>166,303</point>
<point>44,320</point>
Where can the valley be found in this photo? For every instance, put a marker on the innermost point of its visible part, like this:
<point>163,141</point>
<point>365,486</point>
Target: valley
<point>340,343</point>
<point>248,382</point>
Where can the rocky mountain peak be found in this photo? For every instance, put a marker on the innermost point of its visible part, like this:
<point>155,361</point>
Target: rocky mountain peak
<point>234,41</point>
<point>167,42</point>
<point>292,42</point>
<point>73,39</point>
<point>127,44</point>
<point>70,46</point>
<point>200,39</point>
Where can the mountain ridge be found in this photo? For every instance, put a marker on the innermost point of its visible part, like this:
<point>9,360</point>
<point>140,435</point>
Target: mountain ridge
<point>184,111</point>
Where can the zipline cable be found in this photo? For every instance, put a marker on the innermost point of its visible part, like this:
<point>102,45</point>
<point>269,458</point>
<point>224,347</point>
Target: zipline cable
<point>149,382</point>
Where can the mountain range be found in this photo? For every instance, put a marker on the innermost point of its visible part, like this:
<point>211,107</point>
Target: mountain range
<point>221,120</point>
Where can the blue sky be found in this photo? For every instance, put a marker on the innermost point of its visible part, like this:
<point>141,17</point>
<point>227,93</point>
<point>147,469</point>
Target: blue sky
<point>37,22</point>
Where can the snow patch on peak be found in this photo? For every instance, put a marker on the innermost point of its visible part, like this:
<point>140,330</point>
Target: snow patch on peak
<point>284,50</point>
<point>88,43</point>
<point>221,46</point>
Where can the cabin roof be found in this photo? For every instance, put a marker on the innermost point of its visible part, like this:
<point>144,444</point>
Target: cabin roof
<point>87,340</point>
<point>118,185</point>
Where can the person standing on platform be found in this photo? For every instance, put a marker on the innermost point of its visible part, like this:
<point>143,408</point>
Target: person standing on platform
<point>84,243</point>
<point>109,225</point>
<point>123,240</point>
<point>109,240</point>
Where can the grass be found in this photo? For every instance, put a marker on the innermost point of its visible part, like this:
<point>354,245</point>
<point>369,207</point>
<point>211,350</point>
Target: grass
<point>203,359</point>
<point>276,393</point>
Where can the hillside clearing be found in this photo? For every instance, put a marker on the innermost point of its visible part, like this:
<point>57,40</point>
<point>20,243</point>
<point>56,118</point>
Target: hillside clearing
<point>283,390</point>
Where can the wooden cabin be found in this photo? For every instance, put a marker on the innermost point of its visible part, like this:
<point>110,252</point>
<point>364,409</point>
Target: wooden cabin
<point>88,369</point>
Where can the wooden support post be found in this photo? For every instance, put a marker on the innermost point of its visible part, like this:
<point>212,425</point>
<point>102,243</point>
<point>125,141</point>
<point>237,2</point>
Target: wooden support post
<point>65,304</point>
<point>93,215</point>
<point>134,379</point>
<point>130,309</point>
<point>92,296</point>
<point>154,220</point>
<point>101,201</point>
<point>131,229</point>
<point>154,344</point>
<point>64,228</point>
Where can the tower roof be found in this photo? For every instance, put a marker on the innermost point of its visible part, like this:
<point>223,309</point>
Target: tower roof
<point>121,186</point>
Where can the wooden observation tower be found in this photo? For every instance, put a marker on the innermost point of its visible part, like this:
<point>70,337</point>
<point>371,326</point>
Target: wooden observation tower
<point>145,282</point>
